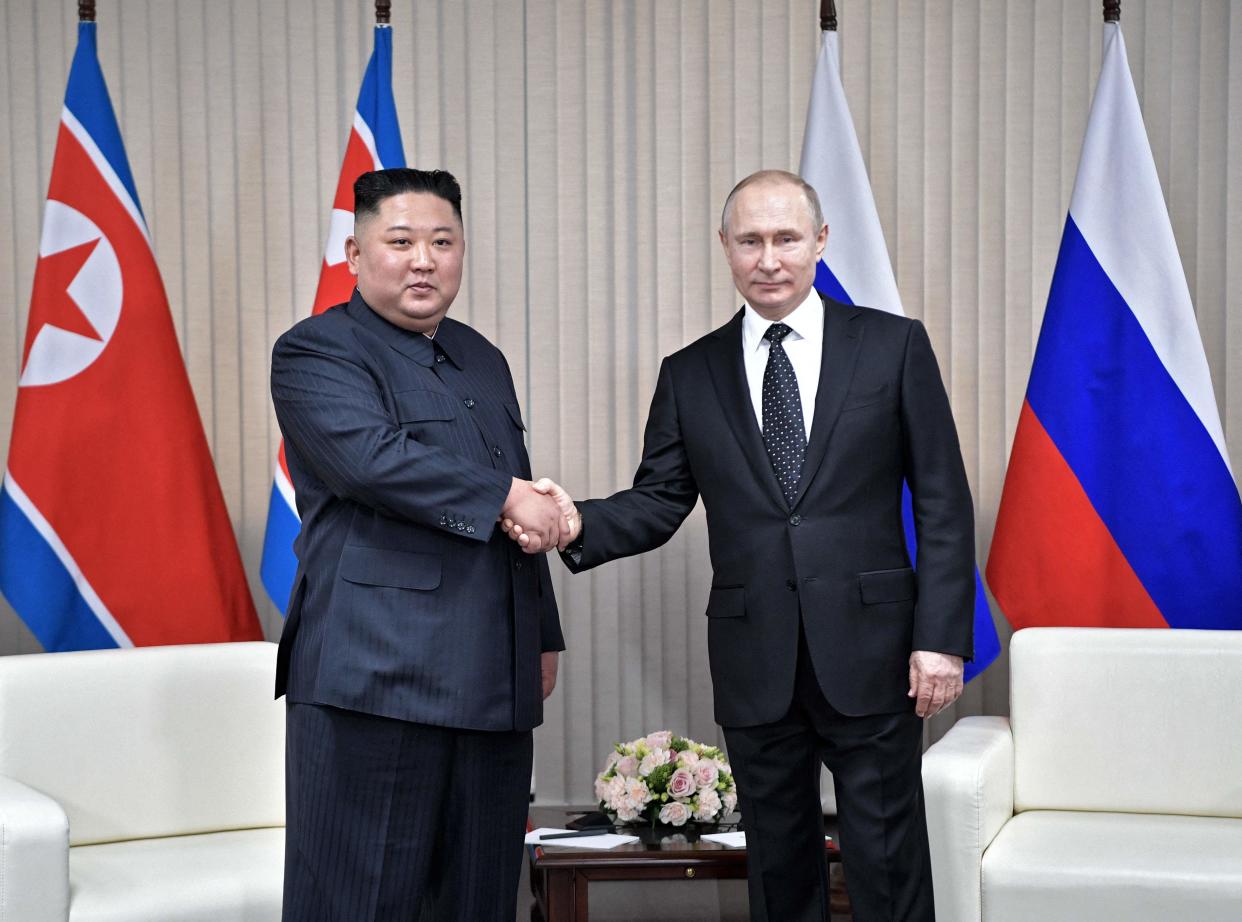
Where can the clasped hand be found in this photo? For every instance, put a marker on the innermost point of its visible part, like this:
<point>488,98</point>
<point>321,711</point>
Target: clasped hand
<point>540,516</point>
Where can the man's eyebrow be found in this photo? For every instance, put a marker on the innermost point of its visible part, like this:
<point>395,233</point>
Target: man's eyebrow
<point>442,229</point>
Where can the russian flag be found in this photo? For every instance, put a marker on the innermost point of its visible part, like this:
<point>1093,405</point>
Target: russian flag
<point>113,529</point>
<point>855,268</point>
<point>1119,507</point>
<point>374,143</point>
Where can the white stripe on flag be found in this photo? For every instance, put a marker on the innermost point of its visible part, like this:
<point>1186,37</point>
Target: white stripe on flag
<point>285,488</point>
<point>832,163</point>
<point>368,140</point>
<point>105,170</point>
<point>45,530</point>
<point>1118,206</point>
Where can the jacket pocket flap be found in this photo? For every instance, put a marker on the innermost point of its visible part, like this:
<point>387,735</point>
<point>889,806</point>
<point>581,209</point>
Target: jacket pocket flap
<point>423,405</point>
<point>727,602</point>
<point>377,566</point>
<point>887,586</point>
<point>865,397</point>
<point>515,414</point>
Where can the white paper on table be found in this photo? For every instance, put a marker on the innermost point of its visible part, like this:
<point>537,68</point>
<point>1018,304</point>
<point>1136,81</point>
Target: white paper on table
<point>731,839</point>
<point>603,840</point>
<point>734,839</point>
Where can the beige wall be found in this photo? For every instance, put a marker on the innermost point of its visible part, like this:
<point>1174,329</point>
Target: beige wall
<point>595,141</point>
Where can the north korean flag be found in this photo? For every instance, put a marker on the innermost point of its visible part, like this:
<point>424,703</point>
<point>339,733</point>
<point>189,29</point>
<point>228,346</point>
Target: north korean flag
<point>113,529</point>
<point>374,143</point>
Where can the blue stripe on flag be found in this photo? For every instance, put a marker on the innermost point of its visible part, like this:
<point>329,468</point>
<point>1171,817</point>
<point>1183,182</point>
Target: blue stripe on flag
<point>86,96</point>
<point>1145,460</point>
<point>826,284</point>
<point>41,590</point>
<point>375,101</point>
<point>987,643</point>
<point>280,564</point>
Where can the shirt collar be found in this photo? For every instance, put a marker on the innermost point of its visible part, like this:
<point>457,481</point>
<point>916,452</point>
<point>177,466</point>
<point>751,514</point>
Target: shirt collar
<point>422,349</point>
<point>806,320</point>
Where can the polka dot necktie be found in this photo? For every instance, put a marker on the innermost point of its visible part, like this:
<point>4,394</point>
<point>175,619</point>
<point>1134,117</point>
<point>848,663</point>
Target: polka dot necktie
<point>784,435</point>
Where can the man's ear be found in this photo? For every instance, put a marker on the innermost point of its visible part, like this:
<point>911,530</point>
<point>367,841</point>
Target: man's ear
<point>351,253</point>
<point>821,241</point>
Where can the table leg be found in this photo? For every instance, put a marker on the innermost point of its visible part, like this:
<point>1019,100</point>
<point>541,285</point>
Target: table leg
<point>562,902</point>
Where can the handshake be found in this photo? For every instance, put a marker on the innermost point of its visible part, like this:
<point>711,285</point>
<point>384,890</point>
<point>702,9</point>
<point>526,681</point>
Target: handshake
<point>540,516</point>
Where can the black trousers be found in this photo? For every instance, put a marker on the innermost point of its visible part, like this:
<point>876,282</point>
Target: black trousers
<point>876,763</point>
<point>392,821</point>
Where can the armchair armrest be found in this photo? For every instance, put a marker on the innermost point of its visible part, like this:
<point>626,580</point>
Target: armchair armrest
<point>34,855</point>
<point>968,788</point>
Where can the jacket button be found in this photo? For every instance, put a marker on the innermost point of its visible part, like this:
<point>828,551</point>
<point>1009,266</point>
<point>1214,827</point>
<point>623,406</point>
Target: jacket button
<point>497,452</point>
<point>470,529</point>
<point>469,402</point>
<point>439,357</point>
<point>791,585</point>
<point>517,564</point>
<point>795,519</point>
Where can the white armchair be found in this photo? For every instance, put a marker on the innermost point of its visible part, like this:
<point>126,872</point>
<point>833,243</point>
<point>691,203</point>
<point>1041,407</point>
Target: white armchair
<point>1113,791</point>
<point>143,784</point>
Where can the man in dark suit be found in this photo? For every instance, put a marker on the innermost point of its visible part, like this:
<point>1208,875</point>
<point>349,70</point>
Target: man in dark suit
<point>797,422</point>
<point>420,643</point>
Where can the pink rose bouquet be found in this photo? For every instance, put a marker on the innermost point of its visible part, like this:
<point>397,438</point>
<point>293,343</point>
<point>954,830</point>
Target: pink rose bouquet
<point>666,778</point>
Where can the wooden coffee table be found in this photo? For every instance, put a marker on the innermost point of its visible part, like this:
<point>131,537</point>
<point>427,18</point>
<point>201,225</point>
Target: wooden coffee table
<point>560,876</point>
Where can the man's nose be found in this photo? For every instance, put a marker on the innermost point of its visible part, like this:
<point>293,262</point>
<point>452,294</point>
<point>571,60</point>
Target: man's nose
<point>767,258</point>
<point>420,256</point>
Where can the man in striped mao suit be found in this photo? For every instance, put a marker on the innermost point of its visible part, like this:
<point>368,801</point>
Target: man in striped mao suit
<point>420,642</point>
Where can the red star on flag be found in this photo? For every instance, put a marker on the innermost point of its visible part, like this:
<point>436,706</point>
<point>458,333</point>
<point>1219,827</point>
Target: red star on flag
<point>50,302</point>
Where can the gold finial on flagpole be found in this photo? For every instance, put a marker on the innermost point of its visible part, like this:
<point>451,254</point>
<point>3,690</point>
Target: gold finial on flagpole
<point>86,10</point>
<point>827,16</point>
<point>383,10</point>
<point>1112,10</point>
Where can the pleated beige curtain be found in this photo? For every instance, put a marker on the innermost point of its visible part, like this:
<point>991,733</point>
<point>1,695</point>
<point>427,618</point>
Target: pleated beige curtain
<point>596,140</point>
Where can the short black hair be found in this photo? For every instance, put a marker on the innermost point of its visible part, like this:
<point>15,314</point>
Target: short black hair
<point>371,189</point>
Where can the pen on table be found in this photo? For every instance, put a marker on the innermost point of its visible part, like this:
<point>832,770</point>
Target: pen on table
<point>581,833</point>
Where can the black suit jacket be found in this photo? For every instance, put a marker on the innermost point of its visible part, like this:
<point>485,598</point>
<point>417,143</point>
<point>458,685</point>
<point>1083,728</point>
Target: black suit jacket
<point>837,555</point>
<point>408,602</point>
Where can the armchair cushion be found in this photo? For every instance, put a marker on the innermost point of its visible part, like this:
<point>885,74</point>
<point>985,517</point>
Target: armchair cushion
<point>203,878</point>
<point>152,741</point>
<point>1070,866</point>
<point>1138,721</point>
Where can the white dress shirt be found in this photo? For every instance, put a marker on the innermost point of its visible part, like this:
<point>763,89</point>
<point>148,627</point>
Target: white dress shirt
<point>804,346</point>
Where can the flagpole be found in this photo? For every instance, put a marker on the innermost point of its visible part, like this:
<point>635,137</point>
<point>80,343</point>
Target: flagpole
<point>1112,10</point>
<point>827,16</point>
<point>86,10</point>
<point>383,11</point>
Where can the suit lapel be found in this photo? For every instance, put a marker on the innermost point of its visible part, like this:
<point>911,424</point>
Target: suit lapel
<point>842,338</point>
<point>724,362</point>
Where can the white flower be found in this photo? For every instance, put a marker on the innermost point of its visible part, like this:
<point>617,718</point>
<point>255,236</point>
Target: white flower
<point>626,813</point>
<point>627,766</point>
<point>661,739</point>
<point>650,761</point>
<point>601,788</point>
<point>706,774</point>
<point>675,813</point>
<point>615,796</point>
<point>729,801</point>
<point>687,758</point>
<point>636,793</point>
<point>709,804</point>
